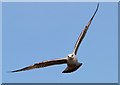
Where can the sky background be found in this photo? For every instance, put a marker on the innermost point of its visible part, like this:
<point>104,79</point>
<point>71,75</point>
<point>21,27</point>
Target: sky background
<point>0,43</point>
<point>33,32</point>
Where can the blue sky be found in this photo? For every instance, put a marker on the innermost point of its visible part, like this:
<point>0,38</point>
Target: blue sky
<point>33,32</point>
<point>1,42</point>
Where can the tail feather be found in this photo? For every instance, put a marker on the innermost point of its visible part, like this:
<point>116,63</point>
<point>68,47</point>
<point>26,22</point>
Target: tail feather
<point>72,69</point>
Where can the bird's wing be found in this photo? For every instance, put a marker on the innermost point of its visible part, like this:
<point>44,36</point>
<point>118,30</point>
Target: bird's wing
<point>44,64</point>
<point>82,34</point>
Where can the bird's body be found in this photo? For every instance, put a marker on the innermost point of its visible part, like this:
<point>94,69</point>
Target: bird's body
<point>72,64</point>
<point>71,59</point>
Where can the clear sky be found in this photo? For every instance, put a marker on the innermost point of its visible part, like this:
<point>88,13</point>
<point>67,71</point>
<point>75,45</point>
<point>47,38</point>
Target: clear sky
<point>0,42</point>
<point>33,32</point>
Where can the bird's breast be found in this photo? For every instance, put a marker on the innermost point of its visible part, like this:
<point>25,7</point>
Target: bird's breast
<point>72,61</point>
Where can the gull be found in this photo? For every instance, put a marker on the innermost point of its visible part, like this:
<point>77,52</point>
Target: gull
<point>71,60</point>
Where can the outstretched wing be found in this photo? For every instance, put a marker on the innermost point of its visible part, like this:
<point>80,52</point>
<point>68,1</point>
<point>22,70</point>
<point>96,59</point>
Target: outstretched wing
<point>43,64</point>
<point>82,34</point>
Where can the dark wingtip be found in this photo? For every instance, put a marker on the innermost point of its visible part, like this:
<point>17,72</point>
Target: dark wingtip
<point>97,6</point>
<point>95,11</point>
<point>15,71</point>
<point>11,71</point>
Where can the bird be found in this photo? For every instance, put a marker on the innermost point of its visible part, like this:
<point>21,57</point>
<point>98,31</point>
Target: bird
<point>71,59</point>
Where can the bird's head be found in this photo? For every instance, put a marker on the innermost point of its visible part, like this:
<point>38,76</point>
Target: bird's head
<point>71,56</point>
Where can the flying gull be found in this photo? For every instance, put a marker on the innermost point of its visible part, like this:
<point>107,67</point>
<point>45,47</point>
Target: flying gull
<point>71,60</point>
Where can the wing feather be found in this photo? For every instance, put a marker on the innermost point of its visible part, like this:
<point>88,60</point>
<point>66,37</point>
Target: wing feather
<point>44,64</point>
<point>82,34</point>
